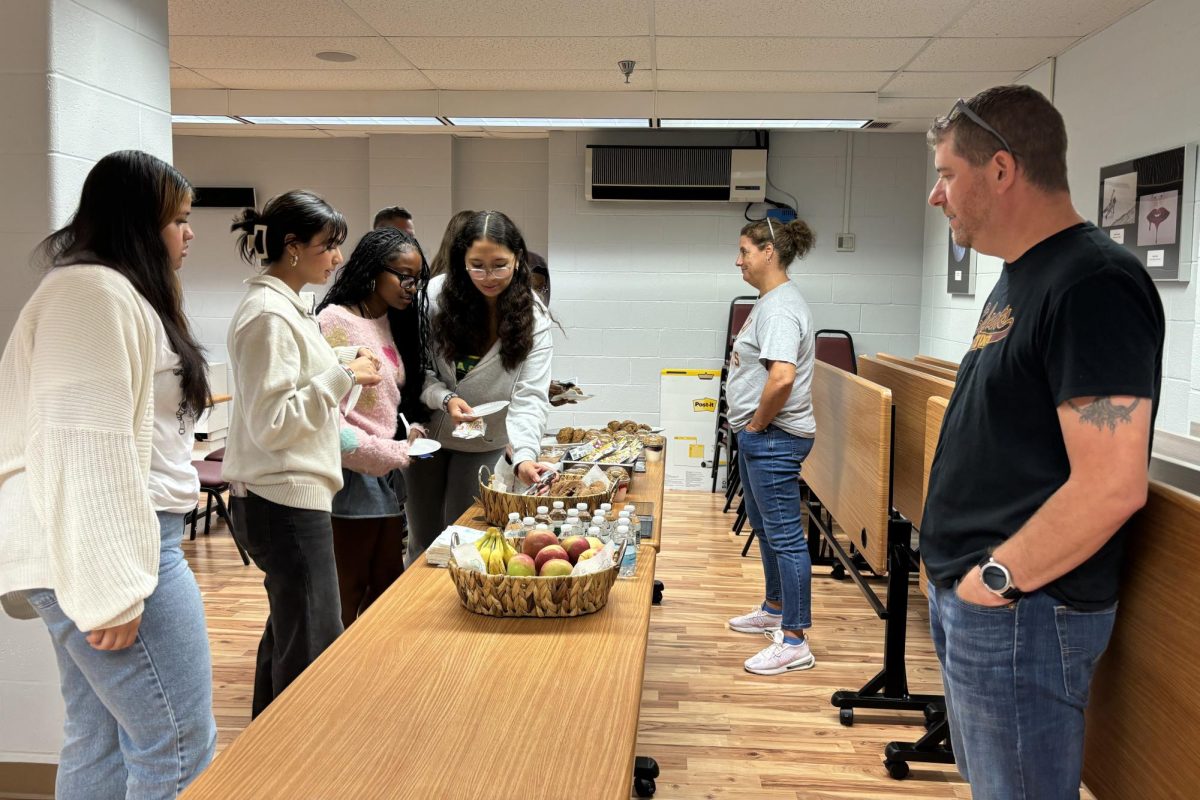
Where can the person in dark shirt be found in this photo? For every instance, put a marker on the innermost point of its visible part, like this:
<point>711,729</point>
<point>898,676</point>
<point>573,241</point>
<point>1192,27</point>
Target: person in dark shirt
<point>1043,454</point>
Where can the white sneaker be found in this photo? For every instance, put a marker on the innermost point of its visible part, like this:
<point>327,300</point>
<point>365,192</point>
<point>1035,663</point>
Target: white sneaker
<point>757,621</point>
<point>781,657</point>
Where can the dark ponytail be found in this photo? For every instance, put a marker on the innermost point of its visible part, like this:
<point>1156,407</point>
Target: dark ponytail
<point>791,240</point>
<point>295,216</point>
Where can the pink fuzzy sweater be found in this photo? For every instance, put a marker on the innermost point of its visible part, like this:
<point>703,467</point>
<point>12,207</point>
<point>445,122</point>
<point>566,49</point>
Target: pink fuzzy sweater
<point>367,431</point>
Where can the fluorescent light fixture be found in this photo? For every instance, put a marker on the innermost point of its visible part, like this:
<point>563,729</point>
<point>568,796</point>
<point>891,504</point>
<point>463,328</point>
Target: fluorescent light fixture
<point>203,119</point>
<point>328,122</point>
<point>787,124</point>
<point>548,122</point>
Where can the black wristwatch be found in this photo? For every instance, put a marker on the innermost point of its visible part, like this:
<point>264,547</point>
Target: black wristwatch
<point>997,579</point>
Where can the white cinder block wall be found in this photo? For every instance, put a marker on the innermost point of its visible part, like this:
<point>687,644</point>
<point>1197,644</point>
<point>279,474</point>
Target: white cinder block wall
<point>509,175</point>
<point>639,287</point>
<point>1148,121</point>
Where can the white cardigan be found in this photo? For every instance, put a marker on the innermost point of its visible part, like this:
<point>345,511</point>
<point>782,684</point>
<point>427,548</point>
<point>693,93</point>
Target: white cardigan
<point>76,426</point>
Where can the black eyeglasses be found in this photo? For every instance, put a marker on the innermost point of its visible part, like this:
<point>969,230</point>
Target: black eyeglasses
<point>962,108</point>
<point>407,282</point>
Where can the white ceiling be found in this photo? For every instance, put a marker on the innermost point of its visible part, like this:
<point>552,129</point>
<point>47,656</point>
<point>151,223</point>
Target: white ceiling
<point>828,56</point>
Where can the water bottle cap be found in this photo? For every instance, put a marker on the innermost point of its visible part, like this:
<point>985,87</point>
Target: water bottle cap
<point>543,510</point>
<point>529,520</point>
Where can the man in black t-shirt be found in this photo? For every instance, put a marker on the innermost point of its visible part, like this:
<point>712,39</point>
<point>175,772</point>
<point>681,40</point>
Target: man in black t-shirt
<point>1043,453</point>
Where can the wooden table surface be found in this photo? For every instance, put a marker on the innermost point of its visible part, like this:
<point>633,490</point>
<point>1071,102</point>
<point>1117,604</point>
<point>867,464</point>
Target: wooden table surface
<point>421,698</point>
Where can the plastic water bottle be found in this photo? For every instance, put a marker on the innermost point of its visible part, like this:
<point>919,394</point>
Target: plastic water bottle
<point>629,561</point>
<point>601,523</point>
<point>595,532</point>
<point>527,526</point>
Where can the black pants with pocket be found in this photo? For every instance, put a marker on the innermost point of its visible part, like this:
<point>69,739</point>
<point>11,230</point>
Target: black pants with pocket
<point>294,547</point>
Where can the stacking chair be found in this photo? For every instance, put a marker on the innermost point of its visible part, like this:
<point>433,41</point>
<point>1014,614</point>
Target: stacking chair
<point>837,348</point>
<point>212,485</point>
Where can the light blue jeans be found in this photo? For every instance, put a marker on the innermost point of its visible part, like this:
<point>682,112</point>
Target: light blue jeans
<point>1017,679</point>
<point>139,721</point>
<point>769,462</point>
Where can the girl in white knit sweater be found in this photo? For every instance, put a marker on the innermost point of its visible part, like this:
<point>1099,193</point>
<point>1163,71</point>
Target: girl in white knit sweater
<point>283,456</point>
<point>99,386</point>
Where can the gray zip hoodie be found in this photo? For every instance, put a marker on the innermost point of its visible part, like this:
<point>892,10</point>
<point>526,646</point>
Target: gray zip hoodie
<point>526,388</point>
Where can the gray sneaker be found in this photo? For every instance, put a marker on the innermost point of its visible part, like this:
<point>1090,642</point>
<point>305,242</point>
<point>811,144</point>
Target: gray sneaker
<point>757,621</point>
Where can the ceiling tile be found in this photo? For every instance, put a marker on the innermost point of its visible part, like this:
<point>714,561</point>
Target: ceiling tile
<point>768,81</point>
<point>182,78</point>
<point>914,107</point>
<point>253,52</point>
<point>945,84</point>
<point>791,54</point>
<point>509,53</point>
<point>1041,18</point>
<point>841,18</point>
<point>505,17</point>
<point>317,79</point>
<point>264,18</point>
<point>609,80</point>
<point>988,54</point>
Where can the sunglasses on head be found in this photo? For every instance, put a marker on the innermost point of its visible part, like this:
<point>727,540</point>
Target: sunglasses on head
<point>962,109</point>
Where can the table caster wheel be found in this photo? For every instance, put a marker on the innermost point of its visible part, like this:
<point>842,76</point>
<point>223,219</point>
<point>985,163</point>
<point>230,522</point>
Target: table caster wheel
<point>897,769</point>
<point>644,787</point>
<point>656,598</point>
<point>846,716</point>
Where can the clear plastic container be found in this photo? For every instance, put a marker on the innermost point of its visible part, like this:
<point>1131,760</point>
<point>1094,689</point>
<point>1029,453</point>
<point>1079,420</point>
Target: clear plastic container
<point>635,522</point>
<point>558,517</point>
<point>514,528</point>
<point>629,560</point>
<point>527,526</point>
<point>543,516</point>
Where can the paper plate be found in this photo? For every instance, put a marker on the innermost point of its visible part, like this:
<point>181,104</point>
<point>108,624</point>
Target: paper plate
<point>423,447</point>
<point>483,409</point>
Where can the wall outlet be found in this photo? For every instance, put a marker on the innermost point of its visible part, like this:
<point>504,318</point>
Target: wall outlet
<point>845,242</point>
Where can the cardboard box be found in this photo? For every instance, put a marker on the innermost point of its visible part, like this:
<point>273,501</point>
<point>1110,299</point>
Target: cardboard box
<point>689,419</point>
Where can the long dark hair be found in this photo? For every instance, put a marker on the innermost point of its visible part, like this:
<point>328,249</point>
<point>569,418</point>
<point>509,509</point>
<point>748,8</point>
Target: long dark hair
<point>128,198</point>
<point>441,258</point>
<point>298,214</point>
<point>410,326</point>
<point>459,326</point>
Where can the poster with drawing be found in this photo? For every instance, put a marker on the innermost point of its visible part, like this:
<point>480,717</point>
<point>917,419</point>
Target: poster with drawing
<point>1144,205</point>
<point>1120,200</point>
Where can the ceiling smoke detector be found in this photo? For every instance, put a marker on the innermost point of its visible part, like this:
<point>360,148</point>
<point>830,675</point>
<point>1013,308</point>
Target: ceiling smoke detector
<point>336,56</point>
<point>626,68</point>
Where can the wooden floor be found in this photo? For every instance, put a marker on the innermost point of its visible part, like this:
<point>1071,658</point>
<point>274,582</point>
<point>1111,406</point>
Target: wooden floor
<point>717,731</point>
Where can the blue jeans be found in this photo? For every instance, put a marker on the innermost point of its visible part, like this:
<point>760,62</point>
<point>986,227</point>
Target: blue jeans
<point>769,462</point>
<point>1016,681</point>
<point>139,721</point>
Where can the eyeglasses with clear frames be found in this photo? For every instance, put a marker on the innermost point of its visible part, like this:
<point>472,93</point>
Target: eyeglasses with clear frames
<point>962,108</point>
<point>479,273</point>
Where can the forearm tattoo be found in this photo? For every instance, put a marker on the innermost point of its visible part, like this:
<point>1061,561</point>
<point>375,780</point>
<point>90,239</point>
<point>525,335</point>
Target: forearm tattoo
<point>1103,413</point>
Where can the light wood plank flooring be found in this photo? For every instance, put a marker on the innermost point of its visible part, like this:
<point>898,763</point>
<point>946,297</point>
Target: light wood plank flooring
<point>717,731</point>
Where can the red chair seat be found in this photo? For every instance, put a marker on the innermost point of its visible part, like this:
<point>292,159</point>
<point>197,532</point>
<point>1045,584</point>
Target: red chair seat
<point>210,474</point>
<point>216,455</point>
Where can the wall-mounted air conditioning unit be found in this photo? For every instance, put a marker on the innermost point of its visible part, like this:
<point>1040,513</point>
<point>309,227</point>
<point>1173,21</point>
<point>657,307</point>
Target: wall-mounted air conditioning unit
<point>706,174</point>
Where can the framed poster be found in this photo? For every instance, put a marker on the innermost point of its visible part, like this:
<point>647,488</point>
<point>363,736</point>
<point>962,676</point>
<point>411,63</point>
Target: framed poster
<point>1147,204</point>
<point>960,268</point>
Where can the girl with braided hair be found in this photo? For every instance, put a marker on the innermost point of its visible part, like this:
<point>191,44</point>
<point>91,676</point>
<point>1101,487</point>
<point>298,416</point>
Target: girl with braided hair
<point>378,300</point>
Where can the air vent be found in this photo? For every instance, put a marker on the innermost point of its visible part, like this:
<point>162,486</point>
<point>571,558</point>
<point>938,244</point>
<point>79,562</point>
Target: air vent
<point>713,174</point>
<point>878,126</point>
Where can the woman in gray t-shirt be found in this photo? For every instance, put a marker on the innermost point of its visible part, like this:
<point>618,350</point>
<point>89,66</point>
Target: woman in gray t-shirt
<point>770,412</point>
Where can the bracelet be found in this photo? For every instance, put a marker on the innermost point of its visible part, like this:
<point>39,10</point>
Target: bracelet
<point>353,377</point>
<point>446,401</point>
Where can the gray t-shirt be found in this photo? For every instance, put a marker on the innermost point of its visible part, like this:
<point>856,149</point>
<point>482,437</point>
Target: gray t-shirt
<point>779,328</point>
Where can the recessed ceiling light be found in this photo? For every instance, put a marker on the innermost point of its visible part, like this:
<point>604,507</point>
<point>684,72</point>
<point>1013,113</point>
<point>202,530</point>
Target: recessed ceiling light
<point>548,122</point>
<point>324,122</point>
<point>336,56</point>
<point>792,124</point>
<point>204,119</point>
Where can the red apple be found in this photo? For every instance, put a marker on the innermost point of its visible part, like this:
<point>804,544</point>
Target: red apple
<point>535,541</point>
<point>595,543</point>
<point>574,545</point>
<point>590,553</point>
<point>549,553</point>
<point>555,567</point>
<point>521,564</point>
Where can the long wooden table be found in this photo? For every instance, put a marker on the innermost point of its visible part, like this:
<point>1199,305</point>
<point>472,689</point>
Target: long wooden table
<point>421,698</point>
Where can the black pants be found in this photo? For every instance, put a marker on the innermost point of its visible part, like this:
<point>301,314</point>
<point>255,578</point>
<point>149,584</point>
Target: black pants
<point>370,557</point>
<point>294,547</point>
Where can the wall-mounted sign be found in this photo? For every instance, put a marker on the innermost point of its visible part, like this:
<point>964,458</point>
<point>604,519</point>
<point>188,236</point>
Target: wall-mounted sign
<point>1146,204</point>
<point>960,268</point>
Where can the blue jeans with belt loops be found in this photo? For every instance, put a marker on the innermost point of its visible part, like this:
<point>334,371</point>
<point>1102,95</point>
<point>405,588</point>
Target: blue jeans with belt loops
<point>1016,679</point>
<point>769,461</point>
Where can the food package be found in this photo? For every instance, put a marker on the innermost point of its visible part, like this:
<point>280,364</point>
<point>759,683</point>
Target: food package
<point>475,429</point>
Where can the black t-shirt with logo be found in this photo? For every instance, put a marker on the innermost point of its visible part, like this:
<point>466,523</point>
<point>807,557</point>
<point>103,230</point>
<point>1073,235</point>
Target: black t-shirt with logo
<point>1075,316</point>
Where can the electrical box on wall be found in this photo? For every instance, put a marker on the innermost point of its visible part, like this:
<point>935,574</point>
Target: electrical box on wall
<point>845,242</point>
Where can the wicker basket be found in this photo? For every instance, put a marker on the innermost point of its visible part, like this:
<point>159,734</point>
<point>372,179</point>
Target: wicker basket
<point>510,596</point>
<point>498,505</point>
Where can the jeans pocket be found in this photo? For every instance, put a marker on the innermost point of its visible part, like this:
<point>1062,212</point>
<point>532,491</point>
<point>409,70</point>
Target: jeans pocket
<point>1082,638</point>
<point>967,604</point>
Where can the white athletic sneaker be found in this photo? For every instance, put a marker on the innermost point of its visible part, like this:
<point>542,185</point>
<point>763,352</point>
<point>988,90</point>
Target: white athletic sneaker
<point>781,657</point>
<point>757,621</point>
